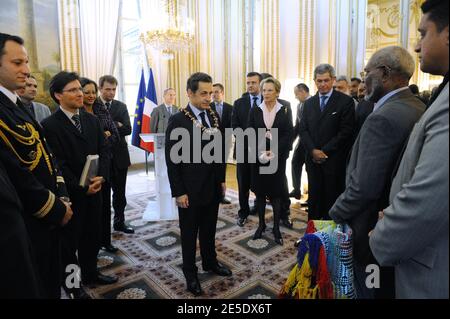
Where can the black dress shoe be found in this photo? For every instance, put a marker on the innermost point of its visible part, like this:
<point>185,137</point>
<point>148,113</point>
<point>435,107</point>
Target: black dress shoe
<point>193,286</point>
<point>124,229</point>
<point>219,270</point>
<point>259,232</point>
<point>225,201</point>
<point>277,237</point>
<point>101,279</point>
<point>287,222</point>
<point>295,194</point>
<point>241,221</point>
<point>110,248</point>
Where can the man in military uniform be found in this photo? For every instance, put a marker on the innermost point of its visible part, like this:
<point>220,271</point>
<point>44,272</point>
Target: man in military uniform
<point>29,165</point>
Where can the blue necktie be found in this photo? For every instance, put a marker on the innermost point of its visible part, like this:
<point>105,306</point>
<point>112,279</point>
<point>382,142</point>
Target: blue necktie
<point>219,110</point>
<point>203,117</point>
<point>255,101</point>
<point>323,102</point>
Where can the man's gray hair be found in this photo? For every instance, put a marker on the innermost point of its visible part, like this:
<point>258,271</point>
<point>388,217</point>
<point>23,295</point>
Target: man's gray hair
<point>342,78</point>
<point>324,68</point>
<point>396,59</point>
<point>167,90</point>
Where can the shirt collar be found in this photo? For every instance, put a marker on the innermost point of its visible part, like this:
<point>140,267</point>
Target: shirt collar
<point>278,106</point>
<point>259,96</point>
<point>30,104</point>
<point>11,95</point>
<point>69,114</point>
<point>195,110</point>
<point>328,95</point>
<point>299,102</point>
<point>104,102</point>
<point>167,106</point>
<point>384,99</point>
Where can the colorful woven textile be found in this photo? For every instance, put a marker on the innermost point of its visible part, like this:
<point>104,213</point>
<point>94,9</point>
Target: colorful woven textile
<point>324,267</point>
<point>312,279</point>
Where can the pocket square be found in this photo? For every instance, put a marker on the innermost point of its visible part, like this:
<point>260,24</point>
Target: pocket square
<point>334,113</point>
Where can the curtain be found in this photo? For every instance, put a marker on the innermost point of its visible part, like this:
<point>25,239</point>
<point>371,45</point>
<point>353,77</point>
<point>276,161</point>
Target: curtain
<point>99,24</point>
<point>269,27</point>
<point>69,35</point>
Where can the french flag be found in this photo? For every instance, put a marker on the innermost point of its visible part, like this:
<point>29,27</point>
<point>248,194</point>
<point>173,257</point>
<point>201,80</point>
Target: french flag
<point>150,104</point>
<point>136,140</point>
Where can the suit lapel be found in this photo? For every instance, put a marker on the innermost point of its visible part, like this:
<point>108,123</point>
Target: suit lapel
<point>330,107</point>
<point>278,116</point>
<point>84,125</point>
<point>165,111</point>
<point>315,112</point>
<point>114,108</point>
<point>20,113</point>
<point>259,118</point>
<point>68,125</point>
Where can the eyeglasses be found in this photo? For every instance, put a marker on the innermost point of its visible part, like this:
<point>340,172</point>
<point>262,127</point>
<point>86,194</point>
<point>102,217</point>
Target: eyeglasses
<point>74,90</point>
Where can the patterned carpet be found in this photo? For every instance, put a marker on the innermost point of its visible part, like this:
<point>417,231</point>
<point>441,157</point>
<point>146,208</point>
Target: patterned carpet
<point>149,262</point>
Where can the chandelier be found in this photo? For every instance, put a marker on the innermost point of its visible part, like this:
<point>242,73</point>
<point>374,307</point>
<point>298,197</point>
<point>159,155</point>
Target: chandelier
<point>169,33</point>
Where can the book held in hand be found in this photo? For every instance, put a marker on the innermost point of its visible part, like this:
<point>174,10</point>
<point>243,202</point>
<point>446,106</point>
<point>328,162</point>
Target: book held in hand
<point>90,170</point>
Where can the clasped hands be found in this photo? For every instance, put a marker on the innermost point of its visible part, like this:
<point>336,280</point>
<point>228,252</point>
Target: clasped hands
<point>266,156</point>
<point>319,157</point>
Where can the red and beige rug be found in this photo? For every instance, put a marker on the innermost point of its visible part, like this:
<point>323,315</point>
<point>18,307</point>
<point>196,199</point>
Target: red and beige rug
<point>149,262</point>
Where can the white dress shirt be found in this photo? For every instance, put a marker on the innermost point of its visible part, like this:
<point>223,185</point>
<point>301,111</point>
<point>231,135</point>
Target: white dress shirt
<point>197,112</point>
<point>269,116</point>
<point>10,95</point>
<point>70,114</point>
<point>384,99</point>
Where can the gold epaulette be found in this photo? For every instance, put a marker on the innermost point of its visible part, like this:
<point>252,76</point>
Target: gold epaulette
<point>60,179</point>
<point>33,139</point>
<point>47,206</point>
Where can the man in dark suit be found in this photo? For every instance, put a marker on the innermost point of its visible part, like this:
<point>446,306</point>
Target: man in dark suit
<point>375,153</point>
<point>354,87</point>
<point>362,112</point>
<point>73,135</point>
<point>28,95</point>
<point>30,167</point>
<point>301,92</point>
<point>196,185</point>
<point>239,119</point>
<point>326,131</point>
<point>159,118</point>
<point>20,280</point>
<point>225,111</point>
<point>121,156</point>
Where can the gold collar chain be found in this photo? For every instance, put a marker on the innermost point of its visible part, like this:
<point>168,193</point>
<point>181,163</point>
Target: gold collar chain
<point>199,125</point>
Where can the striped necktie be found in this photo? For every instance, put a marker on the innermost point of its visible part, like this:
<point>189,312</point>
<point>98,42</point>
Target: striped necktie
<point>76,119</point>
<point>323,102</point>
